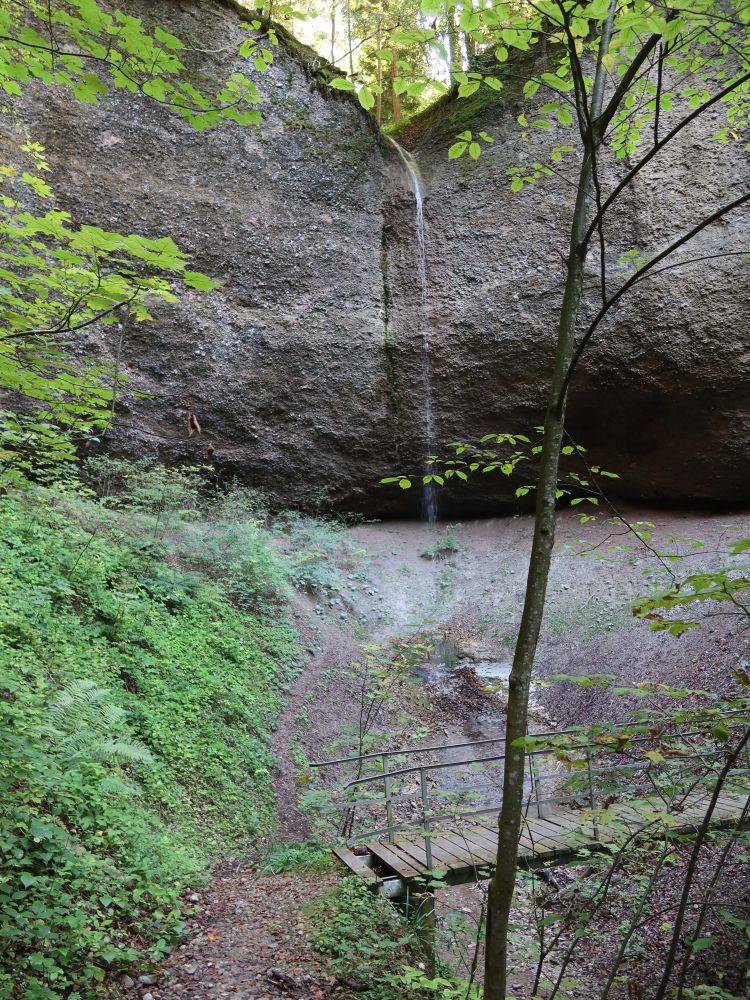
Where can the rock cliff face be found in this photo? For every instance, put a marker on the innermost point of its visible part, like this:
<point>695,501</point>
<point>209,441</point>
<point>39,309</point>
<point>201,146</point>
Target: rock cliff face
<point>304,370</point>
<point>284,367</point>
<point>662,396</point>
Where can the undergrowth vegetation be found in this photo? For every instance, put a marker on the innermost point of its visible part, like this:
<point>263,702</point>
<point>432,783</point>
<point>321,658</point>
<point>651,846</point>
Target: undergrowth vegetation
<point>145,646</point>
<point>375,949</point>
<point>362,938</point>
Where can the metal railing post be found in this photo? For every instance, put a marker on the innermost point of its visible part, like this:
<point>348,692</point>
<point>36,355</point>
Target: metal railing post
<point>592,799</point>
<point>425,818</point>
<point>388,799</point>
<point>535,785</point>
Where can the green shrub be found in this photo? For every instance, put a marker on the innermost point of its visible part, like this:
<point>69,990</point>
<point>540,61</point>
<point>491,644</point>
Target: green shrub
<point>446,545</point>
<point>363,937</point>
<point>306,857</point>
<point>73,888</point>
<point>144,484</point>
<point>240,556</point>
<point>136,702</point>
<point>314,547</point>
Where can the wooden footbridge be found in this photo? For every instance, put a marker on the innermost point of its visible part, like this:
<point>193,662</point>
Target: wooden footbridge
<point>435,813</point>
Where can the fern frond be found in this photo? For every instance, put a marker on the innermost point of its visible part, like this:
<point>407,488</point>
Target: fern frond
<point>79,699</point>
<point>117,786</point>
<point>129,751</point>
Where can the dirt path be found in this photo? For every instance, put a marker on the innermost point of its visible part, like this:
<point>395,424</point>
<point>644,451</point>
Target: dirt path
<point>248,942</point>
<point>319,698</point>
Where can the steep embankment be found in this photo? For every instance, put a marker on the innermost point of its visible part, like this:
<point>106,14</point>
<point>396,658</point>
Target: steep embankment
<point>144,656</point>
<point>305,368</point>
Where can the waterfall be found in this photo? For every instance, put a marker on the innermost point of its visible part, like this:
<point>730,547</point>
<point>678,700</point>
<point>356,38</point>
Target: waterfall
<point>429,490</point>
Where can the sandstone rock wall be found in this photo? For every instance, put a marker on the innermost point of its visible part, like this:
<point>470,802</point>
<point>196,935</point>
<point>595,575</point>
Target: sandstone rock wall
<point>284,367</point>
<point>304,370</point>
<point>662,397</point>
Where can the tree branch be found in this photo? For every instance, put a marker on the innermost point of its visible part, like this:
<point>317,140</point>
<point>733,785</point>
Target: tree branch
<point>657,147</point>
<point>718,214</point>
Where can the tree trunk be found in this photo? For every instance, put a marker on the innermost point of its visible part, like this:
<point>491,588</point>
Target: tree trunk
<point>349,36</point>
<point>503,881</point>
<point>333,32</point>
<point>454,43</point>
<point>395,98</point>
<point>509,825</point>
<point>379,75</point>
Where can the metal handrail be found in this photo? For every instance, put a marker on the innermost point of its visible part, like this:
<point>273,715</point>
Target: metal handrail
<point>542,751</point>
<point>473,743</point>
<point>471,797</point>
<point>437,746</point>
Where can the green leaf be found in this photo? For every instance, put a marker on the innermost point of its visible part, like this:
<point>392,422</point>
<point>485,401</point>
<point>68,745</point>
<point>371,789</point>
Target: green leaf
<point>201,282</point>
<point>341,83</point>
<point>475,150</point>
<point>468,88</point>
<point>457,149</point>
<point>554,81</point>
<point>170,41</point>
<point>366,98</point>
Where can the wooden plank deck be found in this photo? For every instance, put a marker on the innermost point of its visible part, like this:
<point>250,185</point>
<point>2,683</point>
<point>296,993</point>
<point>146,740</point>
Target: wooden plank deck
<point>459,853</point>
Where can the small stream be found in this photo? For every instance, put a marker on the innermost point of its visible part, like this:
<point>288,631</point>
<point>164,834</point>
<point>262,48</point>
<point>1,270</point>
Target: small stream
<point>449,674</point>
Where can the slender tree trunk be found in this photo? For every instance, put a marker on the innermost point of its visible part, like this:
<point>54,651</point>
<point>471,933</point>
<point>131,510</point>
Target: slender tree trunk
<point>503,882</point>
<point>395,98</point>
<point>333,32</point>
<point>349,36</point>
<point>687,884</point>
<point>454,45</point>
<point>379,95</point>
<point>504,879</point>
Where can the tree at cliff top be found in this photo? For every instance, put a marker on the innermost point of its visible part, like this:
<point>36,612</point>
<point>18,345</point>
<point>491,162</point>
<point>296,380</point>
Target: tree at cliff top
<point>375,43</point>
<point>627,78</point>
<point>56,278</point>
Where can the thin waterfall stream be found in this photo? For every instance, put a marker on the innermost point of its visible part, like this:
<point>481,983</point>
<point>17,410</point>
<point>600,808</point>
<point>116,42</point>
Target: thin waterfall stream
<point>429,490</point>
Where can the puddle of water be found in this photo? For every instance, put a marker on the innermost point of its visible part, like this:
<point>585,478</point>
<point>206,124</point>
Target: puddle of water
<point>493,671</point>
<point>476,722</point>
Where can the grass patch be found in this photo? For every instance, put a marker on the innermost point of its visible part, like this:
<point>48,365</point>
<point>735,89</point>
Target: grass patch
<point>310,857</point>
<point>445,545</point>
